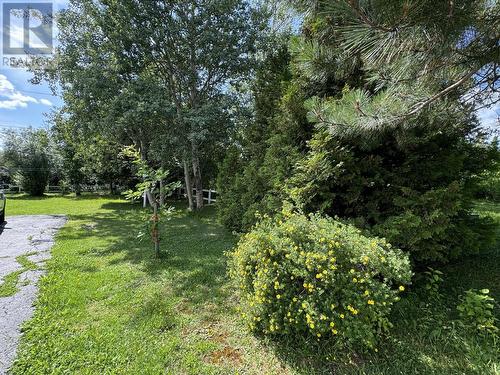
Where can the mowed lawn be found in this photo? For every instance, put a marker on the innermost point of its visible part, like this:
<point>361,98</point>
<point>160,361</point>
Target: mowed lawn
<point>107,306</point>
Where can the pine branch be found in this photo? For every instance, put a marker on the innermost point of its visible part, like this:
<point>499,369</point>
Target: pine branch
<point>419,106</point>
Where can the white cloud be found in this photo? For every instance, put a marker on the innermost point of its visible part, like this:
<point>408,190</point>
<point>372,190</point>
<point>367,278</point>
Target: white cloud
<point>490,116</point>
<point>46,102</point>
<point>10,98</point>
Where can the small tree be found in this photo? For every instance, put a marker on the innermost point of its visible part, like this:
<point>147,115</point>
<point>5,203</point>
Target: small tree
<point>30,156</point>
<point>153,186</point>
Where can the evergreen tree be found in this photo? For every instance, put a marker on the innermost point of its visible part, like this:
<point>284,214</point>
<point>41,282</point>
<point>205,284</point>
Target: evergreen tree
<point>253,174</point>
<point>417,55</point>
<point>411,183</point>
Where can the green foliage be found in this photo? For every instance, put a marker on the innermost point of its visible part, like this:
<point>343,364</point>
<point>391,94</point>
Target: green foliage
<point>476,309</point>
<point>252,176</point>
<point>152,185</point>
<point>314,276</point>
<point>411,58</point>
<point>433,281</point>
<point>489,187</point>
<point>150,177</point>
<point>230,206</point>
<point>414,186</point>
<point>165,86</point>
<point>103,286</point>
<point>30,155</point>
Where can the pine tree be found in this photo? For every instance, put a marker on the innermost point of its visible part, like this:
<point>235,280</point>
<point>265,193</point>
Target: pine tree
<point>416,55</point>
<point>396,147</point>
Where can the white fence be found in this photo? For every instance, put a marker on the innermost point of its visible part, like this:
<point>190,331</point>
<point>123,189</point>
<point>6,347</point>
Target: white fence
<point>209,195</point>
<point>57,189</point>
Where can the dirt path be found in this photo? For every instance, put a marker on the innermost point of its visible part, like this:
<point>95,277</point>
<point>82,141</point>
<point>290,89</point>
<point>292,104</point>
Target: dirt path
<point>25,243</point>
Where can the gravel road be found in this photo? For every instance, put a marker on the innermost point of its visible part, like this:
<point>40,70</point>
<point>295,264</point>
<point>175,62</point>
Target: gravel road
<point>19,236</point>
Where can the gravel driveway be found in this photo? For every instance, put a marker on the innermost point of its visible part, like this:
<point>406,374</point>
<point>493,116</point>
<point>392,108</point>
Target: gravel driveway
<point>22,235</point>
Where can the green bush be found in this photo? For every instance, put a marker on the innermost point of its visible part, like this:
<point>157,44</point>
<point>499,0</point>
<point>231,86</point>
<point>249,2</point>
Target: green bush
<point>476,309</point>
<point>313,276</point>
<point>489,186</point>
<point>416,188</point>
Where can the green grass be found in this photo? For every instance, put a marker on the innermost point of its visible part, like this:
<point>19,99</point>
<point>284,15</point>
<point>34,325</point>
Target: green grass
<point>107,306</point>
<point>10,282</point>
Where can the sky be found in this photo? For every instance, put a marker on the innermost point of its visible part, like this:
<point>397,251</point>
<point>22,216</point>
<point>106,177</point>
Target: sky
<point>23,104</point>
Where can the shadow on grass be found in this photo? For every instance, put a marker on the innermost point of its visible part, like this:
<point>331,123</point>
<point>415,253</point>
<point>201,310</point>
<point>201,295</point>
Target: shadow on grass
<point>423,341</point>
<point>192,247</point>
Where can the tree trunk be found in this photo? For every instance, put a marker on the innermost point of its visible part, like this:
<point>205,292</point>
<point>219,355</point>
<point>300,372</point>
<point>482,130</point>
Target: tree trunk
<point>198,183</point>
<point>162,194</point>
<point>147,194</point>
<point>78,190</point>
<point>111,188</point>
<point>189,185</point>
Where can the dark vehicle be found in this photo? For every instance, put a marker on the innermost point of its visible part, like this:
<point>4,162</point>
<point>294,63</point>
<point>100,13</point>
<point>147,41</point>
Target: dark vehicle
<point>3,199</point>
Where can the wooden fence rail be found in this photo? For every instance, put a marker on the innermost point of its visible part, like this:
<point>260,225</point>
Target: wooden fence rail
<point>209,195</point>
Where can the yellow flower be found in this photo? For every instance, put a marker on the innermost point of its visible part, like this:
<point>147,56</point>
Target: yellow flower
<point>342,316</point>
<point>319,275</point>
<point>319,335</point>
<point>332,324</point>
<point>367,293</point>
<point>278,296</point>
<point>354,280</point>
<point>401,288</point>
<point>334,331</point>
<point>371,302</point>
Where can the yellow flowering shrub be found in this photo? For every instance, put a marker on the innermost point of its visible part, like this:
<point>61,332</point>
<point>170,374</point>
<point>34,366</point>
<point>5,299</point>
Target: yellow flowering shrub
<point>315,276</point>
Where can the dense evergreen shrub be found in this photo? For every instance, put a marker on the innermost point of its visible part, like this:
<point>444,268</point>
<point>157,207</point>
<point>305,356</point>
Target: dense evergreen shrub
<point>317,277</point>
<point>415,187</point>
<point>252,175</point>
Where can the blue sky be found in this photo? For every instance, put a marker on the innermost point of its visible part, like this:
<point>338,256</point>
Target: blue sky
<point>23,104</point>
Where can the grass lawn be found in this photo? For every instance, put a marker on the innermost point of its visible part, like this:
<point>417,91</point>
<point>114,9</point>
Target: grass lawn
<point>107,306</point>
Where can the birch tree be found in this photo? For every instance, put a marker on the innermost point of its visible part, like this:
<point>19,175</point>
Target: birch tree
<point>190,53</point>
